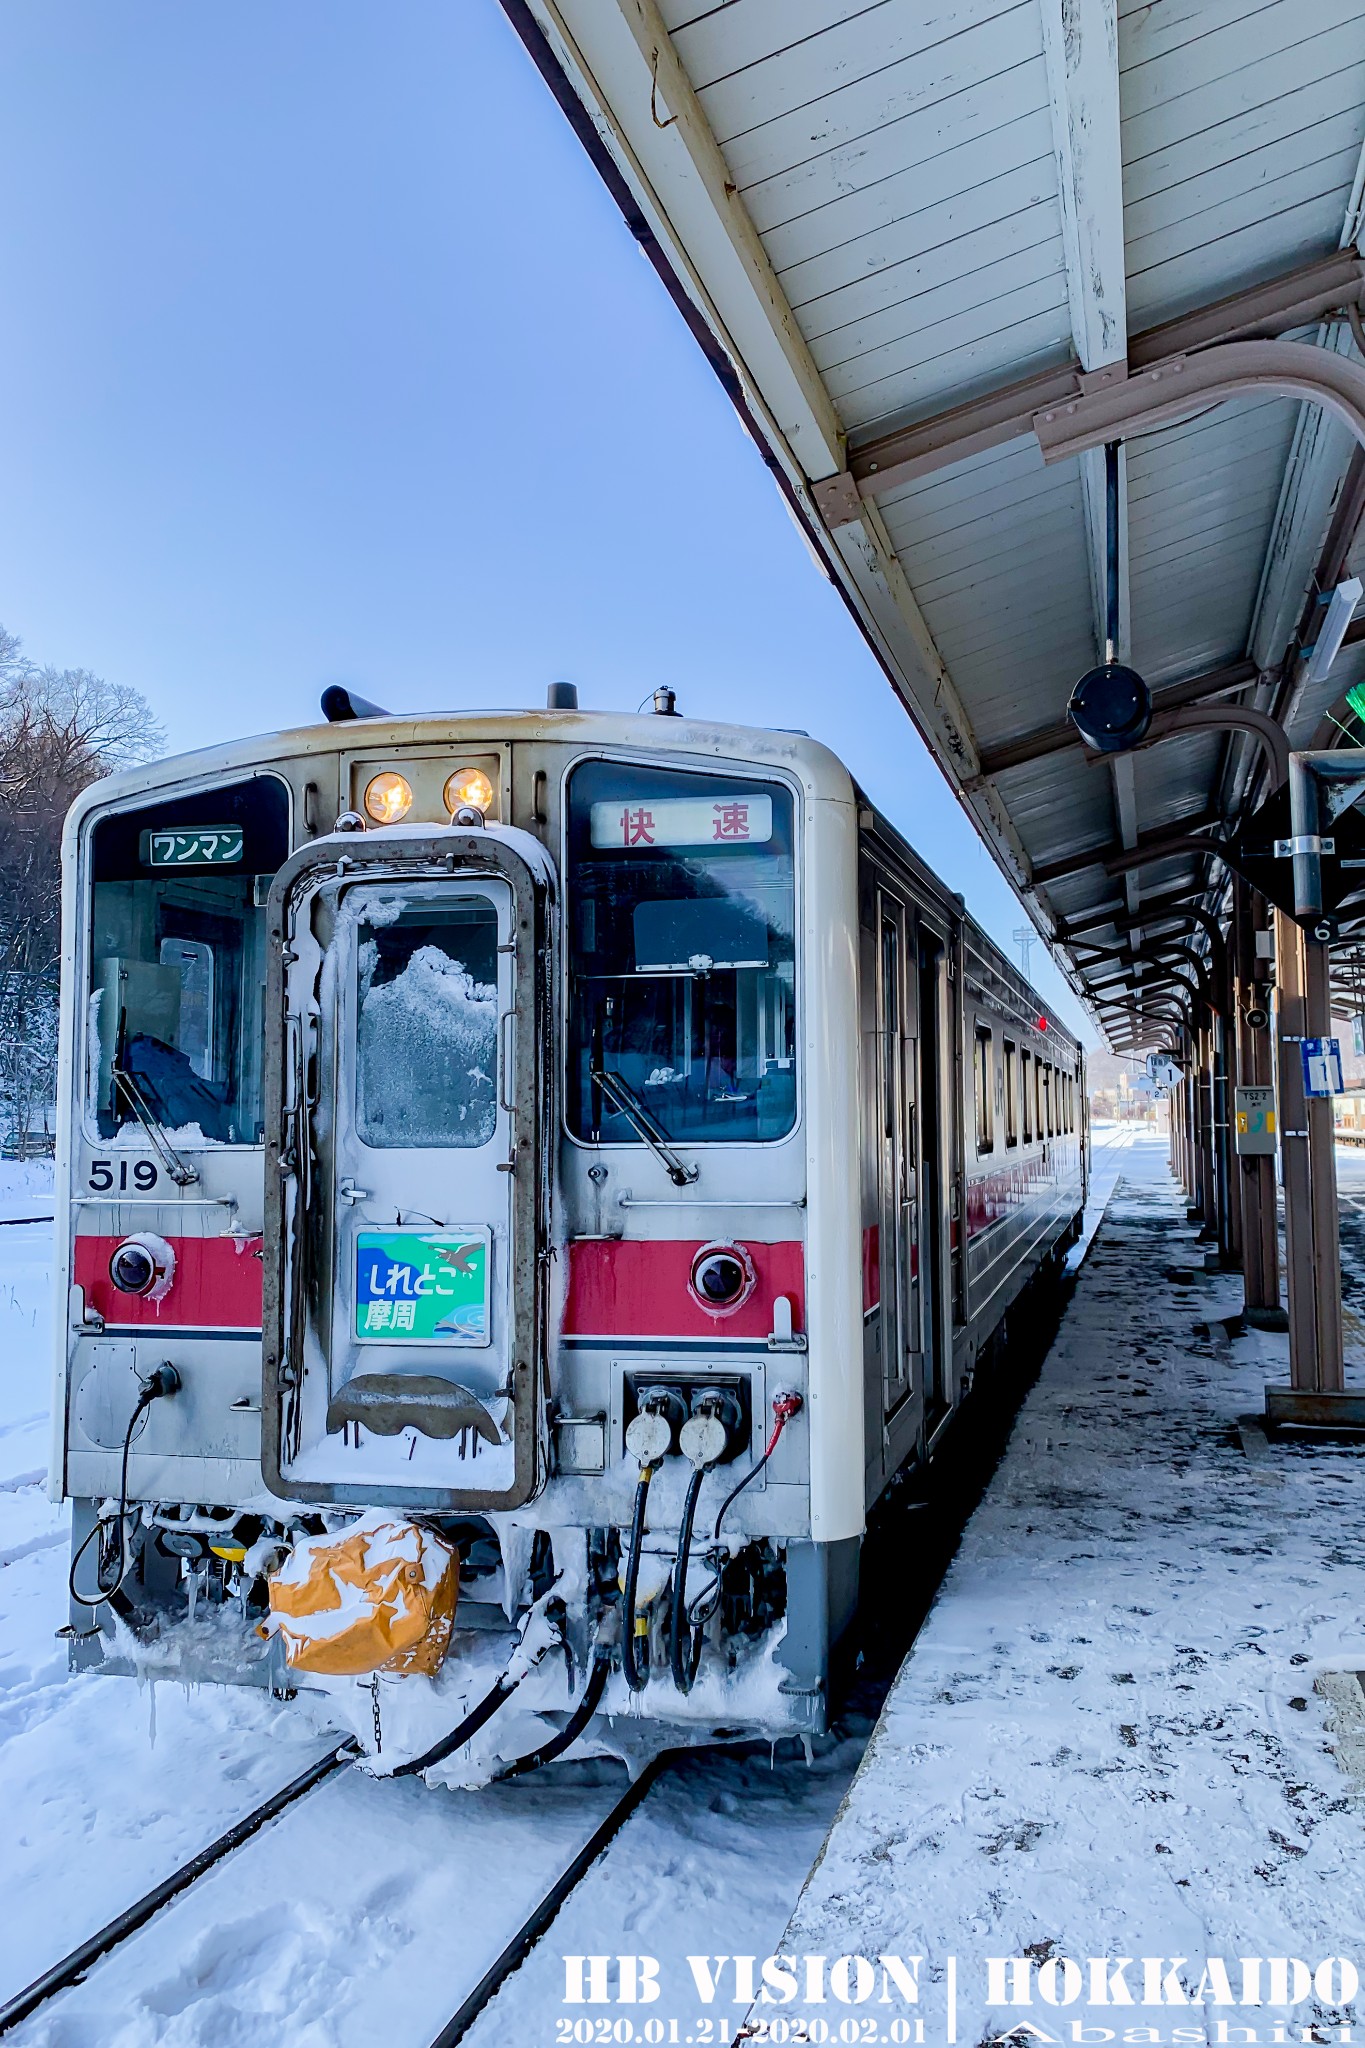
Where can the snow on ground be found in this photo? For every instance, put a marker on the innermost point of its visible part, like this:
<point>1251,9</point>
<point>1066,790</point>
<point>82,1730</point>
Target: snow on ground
<point>1106,1742</point>
<point>104,1787</point>
<point>366,1913</point>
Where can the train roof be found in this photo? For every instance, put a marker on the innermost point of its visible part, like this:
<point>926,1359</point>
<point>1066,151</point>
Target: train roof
<point>819,770</point>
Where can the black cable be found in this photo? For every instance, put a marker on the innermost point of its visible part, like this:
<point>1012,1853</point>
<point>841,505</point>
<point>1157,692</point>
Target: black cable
<point>684,1663</point>
<point>752,1473</point>
<point>574,1726</point>
<point>471,1724</point>
<point>105,1593</point>
<point>637,1675</point>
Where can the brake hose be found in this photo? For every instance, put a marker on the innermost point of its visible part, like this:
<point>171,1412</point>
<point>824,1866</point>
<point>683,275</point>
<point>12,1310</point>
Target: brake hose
<point>471,1724</point>
<point>636,1674</point>
<point>524,1659</point>
<point>576,1723</point>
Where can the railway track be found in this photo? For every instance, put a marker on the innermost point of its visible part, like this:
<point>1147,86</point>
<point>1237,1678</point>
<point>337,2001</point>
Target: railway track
<point>953,1487</point>
<point>73,1969</point>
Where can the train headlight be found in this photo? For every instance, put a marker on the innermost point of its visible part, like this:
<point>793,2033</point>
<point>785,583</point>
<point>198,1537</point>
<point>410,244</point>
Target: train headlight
<point>388,797</point>
<point>142,1265</point>
<point>468,786</point>
<point>722,1277</point>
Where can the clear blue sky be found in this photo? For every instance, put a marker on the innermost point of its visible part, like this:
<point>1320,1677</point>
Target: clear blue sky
<point>324,357</point>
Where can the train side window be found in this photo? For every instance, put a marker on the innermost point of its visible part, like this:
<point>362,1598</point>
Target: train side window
<point>1025,1095</point>
<point>1045,1125</point>
<point>1011,1093</point>
<point>1039,1127</point>
<point>984,1080</point>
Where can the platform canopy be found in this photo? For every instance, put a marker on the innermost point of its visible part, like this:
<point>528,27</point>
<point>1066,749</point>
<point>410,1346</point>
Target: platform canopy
<point>940,252</point>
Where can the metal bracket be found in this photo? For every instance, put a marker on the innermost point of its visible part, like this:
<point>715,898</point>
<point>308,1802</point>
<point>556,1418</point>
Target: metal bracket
<point>1304,842</point>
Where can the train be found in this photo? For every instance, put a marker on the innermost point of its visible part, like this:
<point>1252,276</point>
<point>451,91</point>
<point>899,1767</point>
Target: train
<point>528,1184</point>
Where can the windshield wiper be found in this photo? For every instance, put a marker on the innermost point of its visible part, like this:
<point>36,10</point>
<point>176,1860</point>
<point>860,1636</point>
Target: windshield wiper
<point>627,1103</point>
<point>179,1170</point>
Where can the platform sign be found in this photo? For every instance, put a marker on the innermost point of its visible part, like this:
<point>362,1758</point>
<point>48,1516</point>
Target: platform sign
<point>416,1289</point>
<point>1322,1066</point>
<point>1255,1113</point>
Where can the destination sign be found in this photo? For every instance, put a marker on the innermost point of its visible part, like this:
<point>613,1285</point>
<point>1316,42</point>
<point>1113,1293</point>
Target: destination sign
<point>199,846</point>
<point>416,1289</point>
<point>691,821</point>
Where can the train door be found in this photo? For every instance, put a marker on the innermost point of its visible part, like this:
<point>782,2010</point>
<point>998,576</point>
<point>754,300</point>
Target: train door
<point>897,1179</point>
<point>934,1175</point>
<point>410,1075</point>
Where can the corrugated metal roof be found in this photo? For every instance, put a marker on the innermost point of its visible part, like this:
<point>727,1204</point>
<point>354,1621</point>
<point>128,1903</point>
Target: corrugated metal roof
<point>879,213</point>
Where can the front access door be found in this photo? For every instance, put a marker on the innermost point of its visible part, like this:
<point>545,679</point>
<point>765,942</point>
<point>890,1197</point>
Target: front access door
<point>412,1077</point>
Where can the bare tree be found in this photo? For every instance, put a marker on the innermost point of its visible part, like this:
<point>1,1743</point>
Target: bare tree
<point>60,729</point>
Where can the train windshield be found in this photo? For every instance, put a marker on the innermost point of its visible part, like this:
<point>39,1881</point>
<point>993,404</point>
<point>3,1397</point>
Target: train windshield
<point>177,963</point>
<point>682,918</point>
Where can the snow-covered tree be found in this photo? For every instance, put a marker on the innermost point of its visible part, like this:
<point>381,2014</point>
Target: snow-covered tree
<point>60,729</point>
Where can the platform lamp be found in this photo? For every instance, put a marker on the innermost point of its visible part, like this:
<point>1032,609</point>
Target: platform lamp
<point>1111,706</point>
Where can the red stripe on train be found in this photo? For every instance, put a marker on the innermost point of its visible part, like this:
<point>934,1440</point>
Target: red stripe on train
<point>872,1267</point>
<point>216,1286</point>
<point>637,1287</point>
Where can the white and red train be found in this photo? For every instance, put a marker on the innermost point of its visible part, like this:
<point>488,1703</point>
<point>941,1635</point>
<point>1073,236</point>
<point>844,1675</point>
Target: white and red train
<point>518,1124</point>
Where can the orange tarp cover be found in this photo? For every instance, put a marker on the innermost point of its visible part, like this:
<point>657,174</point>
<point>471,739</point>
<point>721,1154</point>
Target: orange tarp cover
<point>379,1596</point>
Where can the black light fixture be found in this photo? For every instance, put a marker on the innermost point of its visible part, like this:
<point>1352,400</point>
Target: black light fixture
<point>1111,706</point>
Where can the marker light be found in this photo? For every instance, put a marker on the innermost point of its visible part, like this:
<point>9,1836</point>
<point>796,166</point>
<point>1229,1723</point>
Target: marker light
<point>143,1265</point>
<point>722,1277</point>
<point>388,797</point>
<point>132,1268</point>
<point>468,786</point>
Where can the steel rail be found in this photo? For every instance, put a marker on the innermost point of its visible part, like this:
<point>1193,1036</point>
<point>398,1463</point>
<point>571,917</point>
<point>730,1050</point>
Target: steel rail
<point>538,1922</point>
<point>73,1967</point>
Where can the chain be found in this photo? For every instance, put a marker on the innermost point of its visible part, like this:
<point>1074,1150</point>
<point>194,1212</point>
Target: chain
<point>378,1725</point>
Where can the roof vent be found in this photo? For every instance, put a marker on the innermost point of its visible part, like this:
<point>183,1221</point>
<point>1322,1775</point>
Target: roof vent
<point>562,697</point>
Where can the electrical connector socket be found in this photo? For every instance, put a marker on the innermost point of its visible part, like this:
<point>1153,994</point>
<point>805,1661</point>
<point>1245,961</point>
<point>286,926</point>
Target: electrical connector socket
<point>649,1437</point>
<point>703,1438</point>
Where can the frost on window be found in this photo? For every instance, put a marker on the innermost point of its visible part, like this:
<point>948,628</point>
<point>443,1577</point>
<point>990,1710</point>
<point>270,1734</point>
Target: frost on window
<point>427,1031</point>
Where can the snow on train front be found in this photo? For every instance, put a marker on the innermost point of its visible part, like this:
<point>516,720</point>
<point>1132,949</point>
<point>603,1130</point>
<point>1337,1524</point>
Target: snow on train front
<point>462,1287</point>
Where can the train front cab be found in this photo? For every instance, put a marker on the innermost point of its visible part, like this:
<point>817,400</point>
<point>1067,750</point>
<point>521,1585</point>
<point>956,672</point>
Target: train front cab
<point>365,1118</point>
<point>448,1149</point>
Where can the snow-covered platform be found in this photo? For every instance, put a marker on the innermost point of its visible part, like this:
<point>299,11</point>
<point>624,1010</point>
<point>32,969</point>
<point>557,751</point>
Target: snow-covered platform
<point>1117,1735</point>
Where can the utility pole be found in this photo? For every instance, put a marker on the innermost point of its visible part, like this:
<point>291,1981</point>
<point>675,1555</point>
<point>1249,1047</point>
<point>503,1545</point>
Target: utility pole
<point>1026,938</point>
